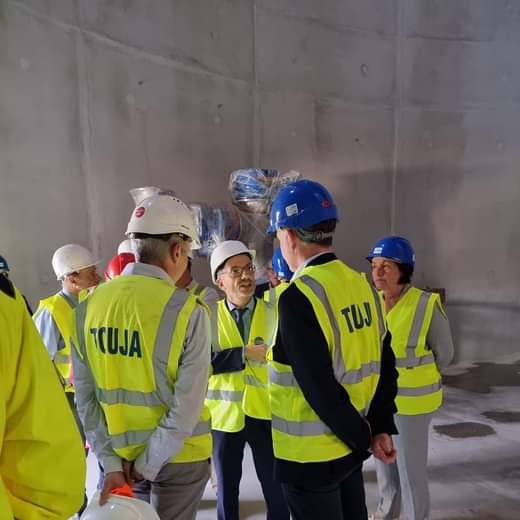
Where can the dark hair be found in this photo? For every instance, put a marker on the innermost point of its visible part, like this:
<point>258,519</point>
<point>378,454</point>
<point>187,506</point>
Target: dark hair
<point>320,233</point>
<point>406,271</point>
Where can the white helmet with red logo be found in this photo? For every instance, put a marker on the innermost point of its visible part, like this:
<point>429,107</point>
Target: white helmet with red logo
<point>119,508</point>
<point>71,258</point>
<point>163,214</point>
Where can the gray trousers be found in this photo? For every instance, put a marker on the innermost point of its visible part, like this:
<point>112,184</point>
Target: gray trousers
<point>406,481</point>
<point>177,490</point>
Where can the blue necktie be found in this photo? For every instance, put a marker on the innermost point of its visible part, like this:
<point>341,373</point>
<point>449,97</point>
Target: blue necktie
<point>239,318</point>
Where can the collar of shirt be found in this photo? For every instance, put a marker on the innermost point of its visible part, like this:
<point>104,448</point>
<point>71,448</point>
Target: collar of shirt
<point>250,305</point>
<point>306,263</point>
<point>137,268</point>
<point>73,298</point>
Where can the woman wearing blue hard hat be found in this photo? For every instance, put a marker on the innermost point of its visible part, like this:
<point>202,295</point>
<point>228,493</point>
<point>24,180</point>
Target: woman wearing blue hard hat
<point>422,344</point>
<point>330,400</point>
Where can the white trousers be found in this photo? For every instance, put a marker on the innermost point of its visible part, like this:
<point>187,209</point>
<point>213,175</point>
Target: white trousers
<point>406,482</point>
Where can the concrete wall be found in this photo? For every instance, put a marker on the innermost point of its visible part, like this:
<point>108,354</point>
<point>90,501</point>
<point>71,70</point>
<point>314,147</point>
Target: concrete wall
<point>406,109</point>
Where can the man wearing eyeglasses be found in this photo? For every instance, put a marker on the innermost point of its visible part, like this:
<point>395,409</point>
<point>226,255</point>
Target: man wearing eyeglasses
<point>242,327</point>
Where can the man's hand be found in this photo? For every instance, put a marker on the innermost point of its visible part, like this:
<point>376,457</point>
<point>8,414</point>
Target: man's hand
<point>256,353</point>
<point>128,468</point>
<point>383,448</point>
<point>112,480</point>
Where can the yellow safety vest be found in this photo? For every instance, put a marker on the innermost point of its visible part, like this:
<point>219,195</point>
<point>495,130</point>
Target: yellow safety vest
<point>272,294</point>
<point>124,329</point>
<point>419,384</point>
<point>199,290</point>
<point>233,395</point>
<point>42,463</point>
<point>63,314</point>
<point>350,317</point>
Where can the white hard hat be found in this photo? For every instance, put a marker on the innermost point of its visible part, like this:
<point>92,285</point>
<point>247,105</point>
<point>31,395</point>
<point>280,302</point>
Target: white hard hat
<point>226,250</point>
<point>125,247</point>
<point>70,259</point>
<point>162,214</point>
<point>119,508</point>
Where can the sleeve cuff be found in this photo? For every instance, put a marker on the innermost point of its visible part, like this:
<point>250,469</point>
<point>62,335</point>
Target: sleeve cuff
<point>112,464</point>
<point>148,471</point>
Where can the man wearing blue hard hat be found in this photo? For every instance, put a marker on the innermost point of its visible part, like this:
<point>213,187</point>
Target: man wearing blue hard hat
<point>332,386</point>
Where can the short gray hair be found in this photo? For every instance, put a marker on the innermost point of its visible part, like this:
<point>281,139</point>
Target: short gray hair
<point>153,250</point>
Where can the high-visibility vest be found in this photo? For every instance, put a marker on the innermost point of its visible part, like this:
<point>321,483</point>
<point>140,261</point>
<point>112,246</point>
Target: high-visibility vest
<point>132,331</point>
<point>199,290</point>
<point>42,466</point>
<point>62,311</point>
<point>272,294</point>
<point>349,313</point>
<point>233,395</point>
<point>419,384</point>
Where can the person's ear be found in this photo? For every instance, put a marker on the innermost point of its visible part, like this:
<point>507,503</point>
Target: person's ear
<point>176,251</point>
<point>291,238</point>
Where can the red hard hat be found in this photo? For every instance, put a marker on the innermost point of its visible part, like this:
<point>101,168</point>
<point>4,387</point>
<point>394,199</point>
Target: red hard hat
<point>117,264</point>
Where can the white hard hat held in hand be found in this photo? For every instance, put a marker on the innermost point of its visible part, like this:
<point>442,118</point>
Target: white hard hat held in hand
<point>163,214</point>
<point>119,508</point>
<point>71,258</point>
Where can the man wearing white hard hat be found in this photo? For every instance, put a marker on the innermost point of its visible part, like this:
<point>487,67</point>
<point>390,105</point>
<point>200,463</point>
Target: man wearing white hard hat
<point>75,267</point>
<point>242,327</point>
<point>141,360</point>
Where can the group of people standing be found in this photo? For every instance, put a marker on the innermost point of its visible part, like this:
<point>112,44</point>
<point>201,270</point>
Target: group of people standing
<point>326,369</point>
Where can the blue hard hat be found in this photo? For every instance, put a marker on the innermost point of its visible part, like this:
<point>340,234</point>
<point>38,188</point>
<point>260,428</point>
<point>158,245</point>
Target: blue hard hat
<point>394,248</point>
<point>280,266</point>
<point>300,205</point>
<point>4,266</point>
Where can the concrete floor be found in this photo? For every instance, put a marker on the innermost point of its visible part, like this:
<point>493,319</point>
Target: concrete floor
<point>474,450</point>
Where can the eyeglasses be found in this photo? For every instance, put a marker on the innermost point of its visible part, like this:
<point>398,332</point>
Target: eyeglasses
<point>236,272</point>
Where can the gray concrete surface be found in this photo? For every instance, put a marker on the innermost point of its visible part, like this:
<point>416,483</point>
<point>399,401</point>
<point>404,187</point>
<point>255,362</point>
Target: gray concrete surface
<point>471,476</point>
<point>406,109</point>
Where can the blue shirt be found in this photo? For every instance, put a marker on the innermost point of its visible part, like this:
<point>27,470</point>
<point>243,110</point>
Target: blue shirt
<point>46,325</point>
<point>247,315</point>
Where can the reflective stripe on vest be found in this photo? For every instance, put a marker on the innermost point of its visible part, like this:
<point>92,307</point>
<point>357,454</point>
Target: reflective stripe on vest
<point>233,395</point>
<point>298,433</point>
<point>129,444</point>
<point>300,428</point>
<point>419,384</point>
<point>413,338</point>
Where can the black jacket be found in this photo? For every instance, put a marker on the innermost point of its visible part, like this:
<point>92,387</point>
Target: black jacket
<point>301,344</point>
